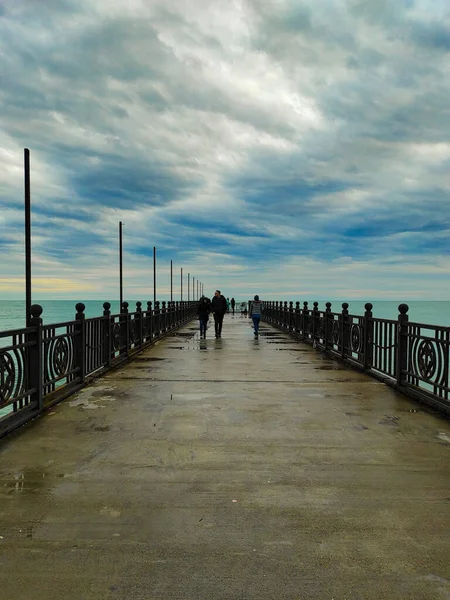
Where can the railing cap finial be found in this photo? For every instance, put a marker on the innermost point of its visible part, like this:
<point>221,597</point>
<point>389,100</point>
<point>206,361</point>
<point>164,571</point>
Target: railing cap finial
<point>403,309</point>
<point>36,310</point>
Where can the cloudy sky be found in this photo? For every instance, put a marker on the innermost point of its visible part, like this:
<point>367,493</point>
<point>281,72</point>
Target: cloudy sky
<point>300,150</point>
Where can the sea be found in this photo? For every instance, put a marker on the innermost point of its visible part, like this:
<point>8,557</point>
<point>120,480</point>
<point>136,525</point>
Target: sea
<point>429,312</point>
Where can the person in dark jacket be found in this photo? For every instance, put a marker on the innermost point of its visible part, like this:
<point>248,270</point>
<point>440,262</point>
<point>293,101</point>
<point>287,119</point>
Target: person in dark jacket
<point>203,310</point>
<point>233,304</point>
<point>219,308</point>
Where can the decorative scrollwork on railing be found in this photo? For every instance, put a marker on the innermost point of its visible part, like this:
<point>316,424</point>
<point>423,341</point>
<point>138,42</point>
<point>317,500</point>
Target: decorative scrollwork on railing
<point>356,338</point>
<point>132,330</point>
<point>12,374</point>
<point>336,333</point>
<point>146,326</point>
<point>428,359</point>
<point>59,357</point>
<point>117,335</point>
<point>321,328</point>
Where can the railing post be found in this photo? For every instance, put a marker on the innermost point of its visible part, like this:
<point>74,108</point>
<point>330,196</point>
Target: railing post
<point>149,321</point>
<point>344,329</point>
<point>80,341</point>
<point>326,327</point>
<point>305,316</point>
<point>35,366</point>
<point>285,314</point>
<point>164,317</point>
<point>315,317</point>
<point>402,343</point>
<point>138,324</point>
<point>368,336</point>
<point>157,326</point>
<point>125,327</point>
<point>291,313</point>
<point>106,334</point>
<point>297,318</point>
<point>172,314</point>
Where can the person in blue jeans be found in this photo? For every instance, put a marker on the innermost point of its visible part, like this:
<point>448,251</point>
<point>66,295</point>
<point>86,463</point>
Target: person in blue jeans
<point>255,314</point>
<point>203,310</point>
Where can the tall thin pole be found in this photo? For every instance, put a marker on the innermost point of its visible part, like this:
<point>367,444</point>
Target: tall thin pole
<point>193,288</point>
<point>27,237</point>
<point>189,288</point>
<point>181,284</point>
<point>171,281</point>
<point>154,276</point>
<point>120,267</point>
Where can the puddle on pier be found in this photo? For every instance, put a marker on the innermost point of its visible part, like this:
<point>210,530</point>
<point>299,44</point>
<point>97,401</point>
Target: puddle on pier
<point>292,349</point>
<point>182,334</point>
<point>28,481</point>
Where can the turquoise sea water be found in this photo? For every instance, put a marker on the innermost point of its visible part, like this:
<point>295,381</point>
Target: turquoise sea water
<point>12,312</point>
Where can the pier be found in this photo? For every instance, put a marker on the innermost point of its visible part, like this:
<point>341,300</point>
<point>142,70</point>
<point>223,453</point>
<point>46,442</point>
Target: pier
<point>223,469</point>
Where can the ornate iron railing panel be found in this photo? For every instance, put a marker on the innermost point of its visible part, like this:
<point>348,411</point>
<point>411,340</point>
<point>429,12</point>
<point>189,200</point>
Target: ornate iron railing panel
<point>354,342</point>
<point>59,355</point>
<point>147,320</point>
<point>15,389</point>
<point>428,359</point>
<point>118,333</point>
<point>335,333</point>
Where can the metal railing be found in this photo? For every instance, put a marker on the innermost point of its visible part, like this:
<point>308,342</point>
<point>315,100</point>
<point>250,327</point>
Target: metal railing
<point>412,357</point>
<point>42,364</point>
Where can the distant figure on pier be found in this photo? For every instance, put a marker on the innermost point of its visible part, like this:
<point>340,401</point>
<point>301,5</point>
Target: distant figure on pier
<point>228,305</point>
<point>233,304</point>
<point>203,311</point>
<point>255,314</point>
<point>219,308</point>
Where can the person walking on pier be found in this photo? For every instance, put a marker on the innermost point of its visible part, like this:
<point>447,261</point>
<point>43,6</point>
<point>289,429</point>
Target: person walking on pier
<point>255,314</point>
<point>233,304</point>
<point>219,308</point>
<point>203,310</point>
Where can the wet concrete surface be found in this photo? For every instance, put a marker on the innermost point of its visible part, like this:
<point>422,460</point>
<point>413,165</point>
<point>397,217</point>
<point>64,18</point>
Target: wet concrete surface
<point>227,469</point>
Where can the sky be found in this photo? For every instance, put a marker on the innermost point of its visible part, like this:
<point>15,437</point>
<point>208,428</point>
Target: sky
<point>298,150</point>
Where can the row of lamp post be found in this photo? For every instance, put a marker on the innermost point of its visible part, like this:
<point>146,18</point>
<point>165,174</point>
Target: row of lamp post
<point>196,291</point>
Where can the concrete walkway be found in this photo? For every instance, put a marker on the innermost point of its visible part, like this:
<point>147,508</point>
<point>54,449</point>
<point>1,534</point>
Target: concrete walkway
<point>228,469</point>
